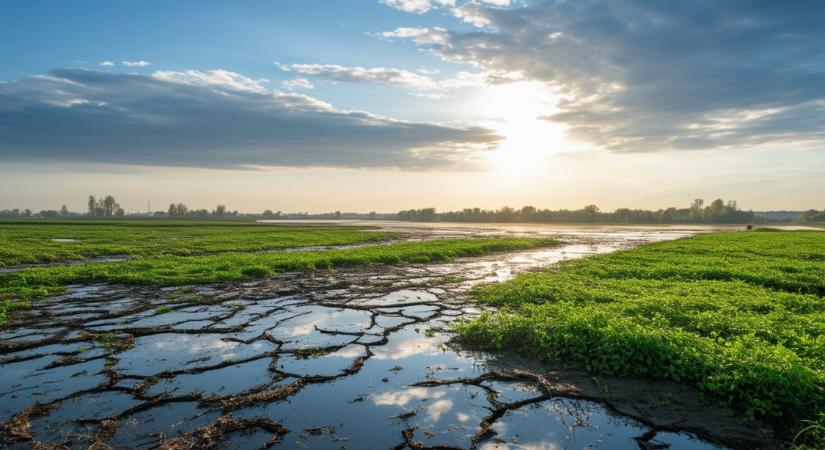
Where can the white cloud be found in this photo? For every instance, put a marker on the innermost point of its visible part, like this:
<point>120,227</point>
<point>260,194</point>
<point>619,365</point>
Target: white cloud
<point>424,36</point>
<point>437,408</point>
<point>402,398</point>
<point>380,75</point>
<point>468,16</point>
<point>219,77</point>
<point>422,83</point>
<point>139,63</point>
<point>298,83</point>
<point>107,64</point>
<point>417,6</point>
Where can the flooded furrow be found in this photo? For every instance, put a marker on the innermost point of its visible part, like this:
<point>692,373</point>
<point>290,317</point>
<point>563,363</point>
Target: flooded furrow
<point>355,359</point>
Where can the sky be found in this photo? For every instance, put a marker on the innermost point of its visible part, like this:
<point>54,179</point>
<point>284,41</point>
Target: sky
<point>382,105</point>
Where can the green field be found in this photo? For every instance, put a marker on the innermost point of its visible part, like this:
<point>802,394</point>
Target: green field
<point>33,242</point>
<point>739,315</point>
<point>226,252</point>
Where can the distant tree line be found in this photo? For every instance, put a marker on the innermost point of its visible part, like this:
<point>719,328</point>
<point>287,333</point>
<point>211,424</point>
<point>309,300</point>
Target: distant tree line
<point>717,211</point>
<point>811,216</point>
<point>63,212</point>
<point>181,210</point>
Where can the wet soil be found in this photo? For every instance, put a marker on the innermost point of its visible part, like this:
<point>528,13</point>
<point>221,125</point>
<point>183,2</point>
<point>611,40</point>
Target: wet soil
<point>342,359</point>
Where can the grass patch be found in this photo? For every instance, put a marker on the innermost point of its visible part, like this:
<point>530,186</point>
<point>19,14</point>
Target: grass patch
<point>741,316</point>
<point>32,242</point>
<point>177,270</point>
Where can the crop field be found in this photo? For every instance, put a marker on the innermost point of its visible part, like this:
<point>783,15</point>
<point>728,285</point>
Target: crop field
<point>739,315</point>
<point>37,242</point>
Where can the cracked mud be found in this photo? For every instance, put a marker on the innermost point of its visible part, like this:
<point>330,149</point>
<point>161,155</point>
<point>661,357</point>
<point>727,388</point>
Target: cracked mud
<point>338,359</point>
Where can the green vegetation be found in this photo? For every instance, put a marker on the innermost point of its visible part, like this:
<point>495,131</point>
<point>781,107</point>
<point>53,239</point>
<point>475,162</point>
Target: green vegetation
<point>8,305</point>
<point>812,217</point>
<point>718,211</point>
<point>175,270</point>
<point>451,279</point>
<point>33,242</point>
<point>739,315</point>
<point>106,340</point>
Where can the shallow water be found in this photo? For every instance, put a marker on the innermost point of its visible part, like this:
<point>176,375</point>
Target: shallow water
<point>342,359</point>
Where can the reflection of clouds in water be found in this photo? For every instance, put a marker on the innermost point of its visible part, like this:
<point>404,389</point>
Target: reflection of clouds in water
<point>200,345</point>
<point>405,348</point>
<point>302,329</point>
<point>437,408</point>
<point>463,417</point>
<point>352,351</point>
<point>326,318</point>
<point>401,398</point>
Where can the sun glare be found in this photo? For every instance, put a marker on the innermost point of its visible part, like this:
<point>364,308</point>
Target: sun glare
<point>515,111</point>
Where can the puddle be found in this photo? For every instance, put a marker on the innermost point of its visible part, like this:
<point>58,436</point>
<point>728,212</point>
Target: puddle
<point>335,359</point>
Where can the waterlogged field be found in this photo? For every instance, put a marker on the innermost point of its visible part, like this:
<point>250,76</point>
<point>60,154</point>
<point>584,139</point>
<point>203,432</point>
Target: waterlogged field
<point>739,315</point>
<point>308,339</point>
<point>37,242</point>
<point>175,270</point>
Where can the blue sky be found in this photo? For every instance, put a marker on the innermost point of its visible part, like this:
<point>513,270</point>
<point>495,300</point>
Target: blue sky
<point>391,104</point>
<point>244,36</point>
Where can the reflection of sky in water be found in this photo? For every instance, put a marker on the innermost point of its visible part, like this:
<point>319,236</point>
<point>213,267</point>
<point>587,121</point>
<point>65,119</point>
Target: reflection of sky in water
<point>326,365</point>
<point>399,297</point>
<point>402,349</point>
<point>305,319</point>
<point>170,351</point>
<point>401,398</point>
<point>563,423</point>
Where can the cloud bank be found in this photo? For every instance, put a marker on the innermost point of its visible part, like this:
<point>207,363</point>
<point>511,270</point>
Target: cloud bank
<point>643,75</point>
<point>215,119</point>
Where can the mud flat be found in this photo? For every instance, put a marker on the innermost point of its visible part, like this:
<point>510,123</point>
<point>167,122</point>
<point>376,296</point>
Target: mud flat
<point>355,358</point>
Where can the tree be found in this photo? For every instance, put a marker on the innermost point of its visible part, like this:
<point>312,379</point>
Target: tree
<point>696,212</point>
<point>92,205</point>
<point>527,211</point>
<point>220,211</point>
<point>590,212</point>
<point>178,210</point>
<point>109,206</point>
<point>64,211</point>
<point>268,213</point>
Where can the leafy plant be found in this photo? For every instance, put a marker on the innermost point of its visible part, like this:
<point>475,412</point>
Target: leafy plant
<point>741,316</point>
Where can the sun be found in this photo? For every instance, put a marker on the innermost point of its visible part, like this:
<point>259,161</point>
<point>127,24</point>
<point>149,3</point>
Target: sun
<point>517,111</point>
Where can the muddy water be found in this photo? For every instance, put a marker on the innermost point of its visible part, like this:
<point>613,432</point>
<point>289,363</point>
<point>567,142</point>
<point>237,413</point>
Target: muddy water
<point>346,359</point>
